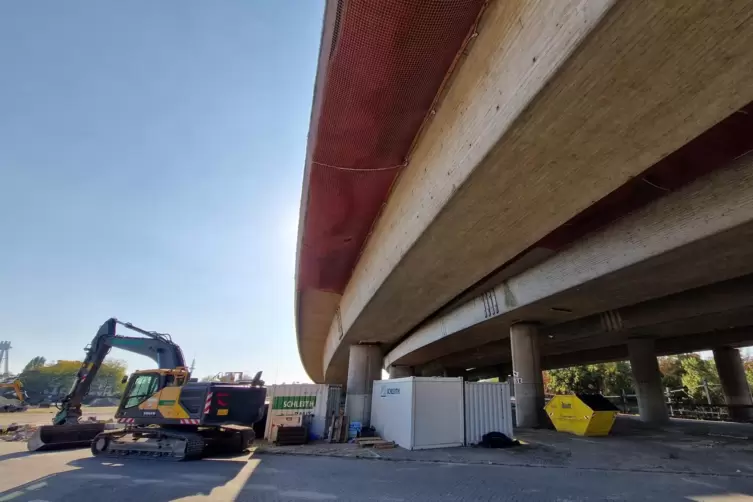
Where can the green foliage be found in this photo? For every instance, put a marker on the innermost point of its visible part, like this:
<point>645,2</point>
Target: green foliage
<point>696,371</point>
<point>58,377</point>
<point>671,370</point>
<point>35,363</point>
<point>607,378</point>
<point>748,365</point>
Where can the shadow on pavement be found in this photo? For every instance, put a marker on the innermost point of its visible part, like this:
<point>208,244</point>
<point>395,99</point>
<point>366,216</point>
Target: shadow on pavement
<point>17,454</point>
<point>130,479</point>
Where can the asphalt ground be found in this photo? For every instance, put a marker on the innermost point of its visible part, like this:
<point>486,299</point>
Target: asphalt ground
<point>75,475</point>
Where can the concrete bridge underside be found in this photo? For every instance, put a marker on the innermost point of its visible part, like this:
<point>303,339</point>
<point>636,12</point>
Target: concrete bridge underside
<point>583,172</point>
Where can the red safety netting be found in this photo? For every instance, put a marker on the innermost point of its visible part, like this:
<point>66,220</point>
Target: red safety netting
<point>388,61</point>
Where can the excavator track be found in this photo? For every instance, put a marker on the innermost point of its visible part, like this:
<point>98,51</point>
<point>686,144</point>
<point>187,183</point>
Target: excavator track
<point>149,442</point>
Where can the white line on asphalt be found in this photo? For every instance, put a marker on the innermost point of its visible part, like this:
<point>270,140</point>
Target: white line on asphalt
<point>11,496</point>
<point>308,495</point>
<point>261,487</point>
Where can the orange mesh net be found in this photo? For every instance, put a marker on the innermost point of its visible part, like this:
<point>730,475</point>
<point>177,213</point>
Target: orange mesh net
<point>387,63</point>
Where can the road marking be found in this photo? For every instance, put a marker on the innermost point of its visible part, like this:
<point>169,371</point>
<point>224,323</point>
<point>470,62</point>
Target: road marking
<point>260,487</point>
<point>230,490</point>
<point>205,477</point>
<point>308,495</point>
<point>36,486</point>
<point>11,496</point>
<point>702,483</point>
<point>99,476</point>
<point>727,497</point>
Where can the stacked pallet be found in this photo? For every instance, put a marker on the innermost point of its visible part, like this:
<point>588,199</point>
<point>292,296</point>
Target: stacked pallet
<point>338,428</point>
<point>289,436</point>
<point>374,442</point>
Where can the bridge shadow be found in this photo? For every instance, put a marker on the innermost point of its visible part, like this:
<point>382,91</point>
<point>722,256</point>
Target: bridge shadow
<point>129,479</point>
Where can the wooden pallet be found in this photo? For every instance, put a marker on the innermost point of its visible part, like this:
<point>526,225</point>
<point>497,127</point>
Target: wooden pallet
<point>374,443</point>
<point>367,439</point>
<point>338,429</point>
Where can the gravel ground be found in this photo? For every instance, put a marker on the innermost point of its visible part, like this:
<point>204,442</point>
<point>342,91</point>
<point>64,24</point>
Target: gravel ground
<point>75,476</point>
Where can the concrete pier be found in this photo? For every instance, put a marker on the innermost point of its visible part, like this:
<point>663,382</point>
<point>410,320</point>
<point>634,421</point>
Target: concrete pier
<point>729,365</point>
<point>364,366</point>
<point>647,379</point>
<point>527,378</point>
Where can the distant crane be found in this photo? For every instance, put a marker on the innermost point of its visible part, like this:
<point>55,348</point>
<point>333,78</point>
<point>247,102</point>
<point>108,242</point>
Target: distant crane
<point>4,351</point>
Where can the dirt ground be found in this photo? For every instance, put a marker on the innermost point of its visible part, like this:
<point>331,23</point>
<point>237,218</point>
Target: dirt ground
<point>43,416</point>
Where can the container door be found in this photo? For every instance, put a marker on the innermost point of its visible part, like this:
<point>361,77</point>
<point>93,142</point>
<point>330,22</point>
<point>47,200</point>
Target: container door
<point>487,409</point>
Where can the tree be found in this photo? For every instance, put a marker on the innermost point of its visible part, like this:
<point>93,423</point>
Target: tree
<point>607,378</point>
<point>56,378</point>
<point>35,363</point>
<point>576,379</point>
<point>696,371</point>
<point>617,378</point>
<point>672,372</point>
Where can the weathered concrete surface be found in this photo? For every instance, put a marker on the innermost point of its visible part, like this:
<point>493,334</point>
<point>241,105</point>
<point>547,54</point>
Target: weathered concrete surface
<point>528,380</point>
<point>731,371</point>
<point>647,380</point>
<point>364,367</point>
<point>400,371</point>
<point>693,237</point>
<point>474,191</point>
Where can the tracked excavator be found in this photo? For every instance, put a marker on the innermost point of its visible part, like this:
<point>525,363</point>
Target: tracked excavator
<point>17,387</point>
<point>164,413</point>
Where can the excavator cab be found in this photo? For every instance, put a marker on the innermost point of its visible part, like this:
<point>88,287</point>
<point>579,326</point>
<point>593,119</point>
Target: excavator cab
<point>153,396</point>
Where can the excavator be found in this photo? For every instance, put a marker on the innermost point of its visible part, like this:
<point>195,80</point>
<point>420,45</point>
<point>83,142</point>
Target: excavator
<point>165,413</point>
<point>20,395</point>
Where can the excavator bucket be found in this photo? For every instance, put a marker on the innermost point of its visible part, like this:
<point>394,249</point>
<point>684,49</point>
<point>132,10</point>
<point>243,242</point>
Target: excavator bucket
<point>58,437</point>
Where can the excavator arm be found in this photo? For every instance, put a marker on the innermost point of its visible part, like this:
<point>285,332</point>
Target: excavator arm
<point>17,388</point>
<point>157,346</point>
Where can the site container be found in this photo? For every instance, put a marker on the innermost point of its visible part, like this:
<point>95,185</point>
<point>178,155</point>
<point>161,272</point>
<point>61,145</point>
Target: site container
<point>314,402</point>
<point>582,414</point>
<point>419,412</point>
<point>487,409</point>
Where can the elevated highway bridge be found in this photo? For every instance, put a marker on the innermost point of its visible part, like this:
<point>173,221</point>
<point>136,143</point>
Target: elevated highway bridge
<point>496,188</point>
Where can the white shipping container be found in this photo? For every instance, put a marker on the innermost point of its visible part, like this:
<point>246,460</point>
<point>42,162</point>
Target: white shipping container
<point>487,409</point>
<point>314,402</point>
<point>419,412</point>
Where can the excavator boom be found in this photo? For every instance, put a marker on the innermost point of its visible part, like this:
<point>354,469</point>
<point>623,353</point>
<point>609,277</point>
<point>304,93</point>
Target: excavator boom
<point>66,430</point>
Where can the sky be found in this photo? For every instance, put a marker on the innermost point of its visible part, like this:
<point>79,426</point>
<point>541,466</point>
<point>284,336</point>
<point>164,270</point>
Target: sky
<point>151,158</point>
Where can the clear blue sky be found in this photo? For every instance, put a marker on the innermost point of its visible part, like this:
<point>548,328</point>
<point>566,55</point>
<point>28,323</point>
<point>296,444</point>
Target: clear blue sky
<point>151,156</point>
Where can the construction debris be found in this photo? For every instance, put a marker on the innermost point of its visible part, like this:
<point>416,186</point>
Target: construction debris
<point>16,432</point>
<point>11,405</point>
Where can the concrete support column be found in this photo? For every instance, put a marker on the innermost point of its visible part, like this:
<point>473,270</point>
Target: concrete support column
<point>647,378</point>
<point>503,372</point>
<point>527,378</point>
<point>734,384</point>
<point>431,370</point>
<point>400,371</point>
<point>364,366</point>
